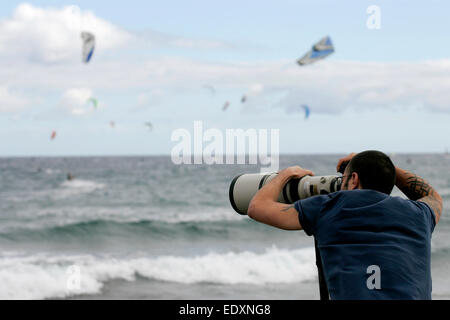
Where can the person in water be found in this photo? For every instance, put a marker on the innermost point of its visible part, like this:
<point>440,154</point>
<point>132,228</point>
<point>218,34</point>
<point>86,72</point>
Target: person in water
<point>372,245</point>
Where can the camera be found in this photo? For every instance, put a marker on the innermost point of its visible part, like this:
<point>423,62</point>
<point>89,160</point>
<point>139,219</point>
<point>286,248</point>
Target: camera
<point>245,186</point>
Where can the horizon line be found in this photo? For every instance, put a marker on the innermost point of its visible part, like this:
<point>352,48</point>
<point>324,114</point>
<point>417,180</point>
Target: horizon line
<point>219,155</point>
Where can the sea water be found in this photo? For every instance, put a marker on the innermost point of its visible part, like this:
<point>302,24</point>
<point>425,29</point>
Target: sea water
<point>145,228</point>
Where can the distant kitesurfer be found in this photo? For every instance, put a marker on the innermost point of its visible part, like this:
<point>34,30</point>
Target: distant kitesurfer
<point>370,245</point>
<point>70,177</point>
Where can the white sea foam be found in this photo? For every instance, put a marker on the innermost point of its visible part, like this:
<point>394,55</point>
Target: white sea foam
<point>52,171</point>
<point>76,187</point>
<point>214,214</point>
<point>43,276</point>
<point>82,184</point>
<point>51,217</point>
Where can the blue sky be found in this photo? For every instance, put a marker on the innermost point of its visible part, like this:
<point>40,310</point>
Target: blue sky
<point>382,89</point>
<point>411,30</point>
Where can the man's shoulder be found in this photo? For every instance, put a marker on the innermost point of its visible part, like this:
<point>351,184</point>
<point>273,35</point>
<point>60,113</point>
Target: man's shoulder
<point>365,195</point>
<point>359,198</point>
<point>356,199</point>
<point>367,198</point>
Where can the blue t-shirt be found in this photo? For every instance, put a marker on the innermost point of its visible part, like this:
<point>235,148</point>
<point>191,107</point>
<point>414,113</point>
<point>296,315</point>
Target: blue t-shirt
<point>373,246</point>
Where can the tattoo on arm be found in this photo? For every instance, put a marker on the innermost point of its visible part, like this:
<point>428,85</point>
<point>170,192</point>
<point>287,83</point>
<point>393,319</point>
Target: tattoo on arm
<point>286,208</point>
<point>417,188</point>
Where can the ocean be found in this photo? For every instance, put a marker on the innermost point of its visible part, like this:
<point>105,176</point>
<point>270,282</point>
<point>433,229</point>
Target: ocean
<point>145,228</point>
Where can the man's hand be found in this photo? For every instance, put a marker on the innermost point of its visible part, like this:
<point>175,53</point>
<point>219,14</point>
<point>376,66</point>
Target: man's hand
<point>265,208</point>
<point>295,172</point>
<point>344,159</point>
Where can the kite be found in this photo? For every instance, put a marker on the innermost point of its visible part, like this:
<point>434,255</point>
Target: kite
<point>320,50</point>
<point>298,109</point>
<point>307,111</point>
<point>112,124</point>
<point>149,125</point>
<point>94,102</point>
<point>88,46</point>
<point>225,106</point>
<point>53,136</point>
<point>210,88</point>
<point>244,98</point>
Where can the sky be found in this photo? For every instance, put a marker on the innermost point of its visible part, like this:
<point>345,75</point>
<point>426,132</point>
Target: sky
<point>385,88</point>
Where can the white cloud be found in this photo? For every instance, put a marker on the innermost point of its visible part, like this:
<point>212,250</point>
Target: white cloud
<point>10,101</point>
<point>332,87</point>
<point>150,98</point>
<point>327,87</point>
<point>255,89</point>
<point>75,101</point>
<point>53,35</point>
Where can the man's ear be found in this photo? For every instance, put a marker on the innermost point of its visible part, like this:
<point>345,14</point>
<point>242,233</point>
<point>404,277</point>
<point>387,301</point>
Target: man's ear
<point>354,182</point>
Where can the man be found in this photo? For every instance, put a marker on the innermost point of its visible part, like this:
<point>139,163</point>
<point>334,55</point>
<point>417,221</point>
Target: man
<point>372,245</point>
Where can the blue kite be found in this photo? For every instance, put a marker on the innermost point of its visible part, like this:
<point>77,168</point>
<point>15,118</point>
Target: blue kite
<point>320,50</point>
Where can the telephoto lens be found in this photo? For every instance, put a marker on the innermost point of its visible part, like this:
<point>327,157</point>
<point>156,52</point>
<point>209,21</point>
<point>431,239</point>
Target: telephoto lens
<point>245,186</point>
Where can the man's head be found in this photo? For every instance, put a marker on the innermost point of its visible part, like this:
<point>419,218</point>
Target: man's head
<point>369,170</point>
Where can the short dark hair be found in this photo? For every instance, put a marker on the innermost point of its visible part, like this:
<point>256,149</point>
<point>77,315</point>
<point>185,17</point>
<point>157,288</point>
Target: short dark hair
<point>375,170</point>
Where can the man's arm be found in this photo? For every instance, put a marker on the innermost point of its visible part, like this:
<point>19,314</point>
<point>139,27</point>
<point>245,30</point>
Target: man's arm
<point>416,188</point>
<point>265,208</point>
